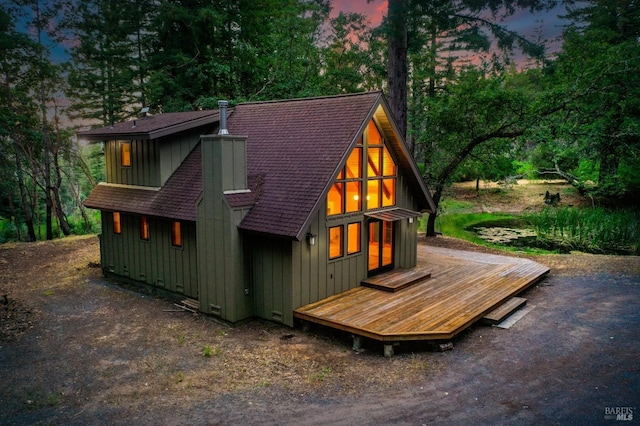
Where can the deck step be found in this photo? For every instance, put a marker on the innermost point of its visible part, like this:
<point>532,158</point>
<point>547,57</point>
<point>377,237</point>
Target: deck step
<point>397,279</point>
<point>501,312</point>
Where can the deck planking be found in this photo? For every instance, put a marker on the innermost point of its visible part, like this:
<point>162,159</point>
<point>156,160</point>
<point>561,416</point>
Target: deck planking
<point>464,287</point>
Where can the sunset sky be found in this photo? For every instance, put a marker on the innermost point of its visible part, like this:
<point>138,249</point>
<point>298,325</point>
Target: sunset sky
<point>524,22</point>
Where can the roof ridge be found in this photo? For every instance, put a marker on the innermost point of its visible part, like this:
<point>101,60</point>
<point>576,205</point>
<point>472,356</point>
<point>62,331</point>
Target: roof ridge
<point>316,98</point>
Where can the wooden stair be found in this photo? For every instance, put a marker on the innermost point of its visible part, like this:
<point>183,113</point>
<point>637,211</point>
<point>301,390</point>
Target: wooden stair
<point>503,311</point>
<point>397,279</point>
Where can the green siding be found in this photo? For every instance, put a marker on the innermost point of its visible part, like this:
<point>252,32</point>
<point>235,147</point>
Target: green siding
<point>315,277</point>
<point>272,281</point>
<point>173,152</point>
<point>154,262</point>
<point>225,286</point>
<point>144,169</point>
<point>152,161</point>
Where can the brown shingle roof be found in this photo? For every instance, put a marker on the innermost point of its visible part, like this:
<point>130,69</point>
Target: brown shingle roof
<point>294,149</point>
<point>297,145</point>
<point>152,127</point>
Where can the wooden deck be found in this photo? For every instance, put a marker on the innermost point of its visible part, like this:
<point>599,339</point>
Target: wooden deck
<point>463,287</point>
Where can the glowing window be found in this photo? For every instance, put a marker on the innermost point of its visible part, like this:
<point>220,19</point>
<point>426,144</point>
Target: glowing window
<point>125,154</point>
<point>373,162</point>
<point>144,228</point>
<point>373,194</point>
<point>388,192</point>
<point>389,167</point>
<point>176,234</point>
<point>335,242</point>
<point>334,199</point>
<point>345,195</point>
<point>374,134</point>
<point>353,203</point>
<point>353,238</point>
<point>117,228</point>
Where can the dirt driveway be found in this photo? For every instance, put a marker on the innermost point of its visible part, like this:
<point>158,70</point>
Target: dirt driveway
<point>76,349</point>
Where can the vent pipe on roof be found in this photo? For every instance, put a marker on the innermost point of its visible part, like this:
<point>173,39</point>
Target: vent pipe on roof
<point>223,117</point>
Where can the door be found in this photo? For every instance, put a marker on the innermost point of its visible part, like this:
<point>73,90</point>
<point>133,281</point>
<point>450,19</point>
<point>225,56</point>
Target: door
<point>380,246</point>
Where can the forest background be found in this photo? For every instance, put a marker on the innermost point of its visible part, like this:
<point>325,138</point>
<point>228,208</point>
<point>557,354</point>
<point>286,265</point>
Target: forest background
<point>468,108</point>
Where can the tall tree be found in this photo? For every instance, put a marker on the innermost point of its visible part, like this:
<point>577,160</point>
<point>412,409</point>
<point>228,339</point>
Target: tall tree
<point>18,111</point>
<point>419,32</point>
<point>473,112</point>
<point>105,68</point>
<point>600,65</point>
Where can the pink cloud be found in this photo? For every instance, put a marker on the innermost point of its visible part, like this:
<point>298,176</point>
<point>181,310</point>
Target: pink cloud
<point>374,10</point>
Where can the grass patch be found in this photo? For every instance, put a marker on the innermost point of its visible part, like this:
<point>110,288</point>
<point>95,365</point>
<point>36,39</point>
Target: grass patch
<point>593,230</point>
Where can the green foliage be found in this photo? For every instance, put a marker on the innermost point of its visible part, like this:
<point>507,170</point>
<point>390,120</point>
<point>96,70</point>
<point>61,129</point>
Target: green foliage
<point>594,230</point>
<point>596,83</point>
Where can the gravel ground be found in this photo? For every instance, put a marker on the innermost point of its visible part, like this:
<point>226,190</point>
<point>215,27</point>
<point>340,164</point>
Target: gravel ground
<point>77,349</point>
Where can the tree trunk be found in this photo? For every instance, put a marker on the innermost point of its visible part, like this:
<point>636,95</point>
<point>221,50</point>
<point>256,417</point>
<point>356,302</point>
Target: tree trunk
<point>431,220</point>
<point>397,66</point>
<point>26,206</point>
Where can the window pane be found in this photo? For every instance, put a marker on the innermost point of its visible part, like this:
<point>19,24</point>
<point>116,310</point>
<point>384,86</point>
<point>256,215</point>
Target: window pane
<point>354,164</point>
<point>335,242</point>
<point>125,154</point>
<point>353,238</point>
<point>353,197</point>
<point>389,167</point>
<point>117,229</point>
<point>374,245</point>
<point>387,243</point>
<point>373,194</point>
<point>334,199</point>
<point>373,161</point>
<point>176,234</point>
<point>388,192</point>
<point>144,228</point>
<point>374,134</point>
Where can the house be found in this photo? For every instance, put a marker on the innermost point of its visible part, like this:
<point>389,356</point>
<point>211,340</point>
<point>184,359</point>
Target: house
<point>262,208</point>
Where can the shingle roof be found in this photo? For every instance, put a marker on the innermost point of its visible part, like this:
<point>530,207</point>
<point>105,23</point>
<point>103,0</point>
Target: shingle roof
<point>294,149</point>
<point>152,127</point>
<point>297,146</point>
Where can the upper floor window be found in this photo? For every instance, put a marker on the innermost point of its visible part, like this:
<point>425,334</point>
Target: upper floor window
<point>125,154</point>
<point>176,234</point>
<point>117,226</point>
<point>345,196</point>
<point>381,171</point>
<point>377,177</point>
<point>144,228</point>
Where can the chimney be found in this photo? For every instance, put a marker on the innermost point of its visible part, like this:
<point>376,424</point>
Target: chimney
<point>223,117</point>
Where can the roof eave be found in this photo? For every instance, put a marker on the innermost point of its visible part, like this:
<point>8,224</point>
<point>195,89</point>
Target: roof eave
<point>154,134</point>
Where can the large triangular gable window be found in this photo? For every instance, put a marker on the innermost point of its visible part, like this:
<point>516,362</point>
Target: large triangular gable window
<point>377,178</point>
<point>366,182</point>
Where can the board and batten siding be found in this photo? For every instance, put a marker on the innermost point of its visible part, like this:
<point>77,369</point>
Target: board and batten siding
<point>154,261</point>
<point>315,276</point>
<point>224,271</point>
<point>173,152</point>
<point>406,236</point>
<point>144,169</point>
<point>152,161</point>
<point>271,278</point>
